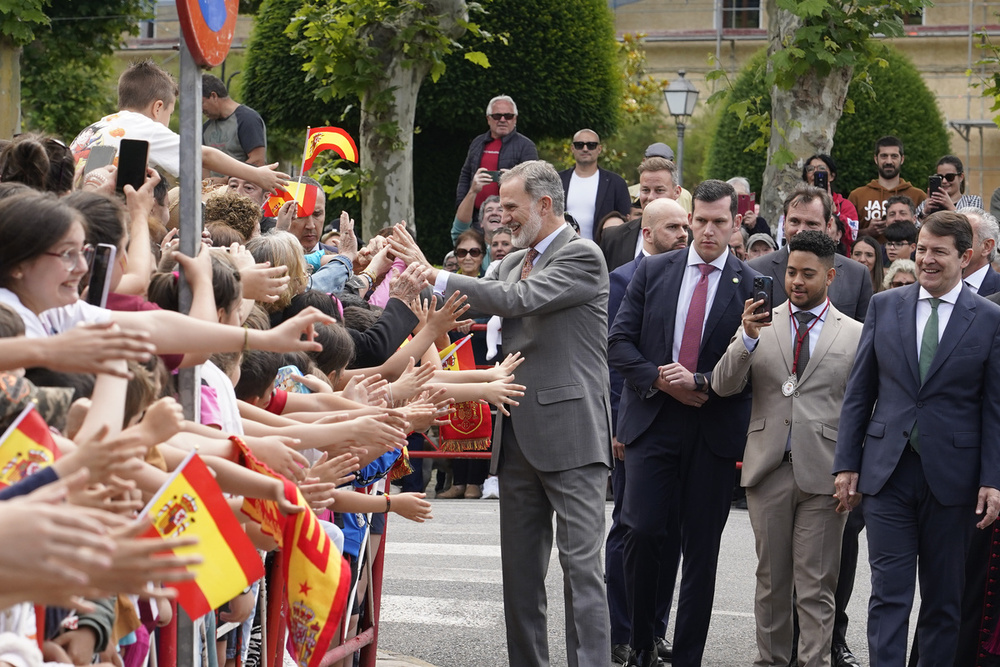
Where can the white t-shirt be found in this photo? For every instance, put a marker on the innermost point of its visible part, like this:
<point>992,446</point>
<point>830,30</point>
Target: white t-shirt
<point>55,320</point>
<point>581,201</point>
<point>164,144</point>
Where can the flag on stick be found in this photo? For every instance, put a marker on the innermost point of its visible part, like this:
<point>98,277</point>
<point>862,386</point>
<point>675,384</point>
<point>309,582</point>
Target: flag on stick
<point>25,447</point>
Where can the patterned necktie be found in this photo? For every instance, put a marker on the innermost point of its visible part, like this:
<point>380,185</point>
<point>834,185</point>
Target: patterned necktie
<point>928,348</point>
<point>695,322</point>
<point>804,317</point>
<point>529,262</point>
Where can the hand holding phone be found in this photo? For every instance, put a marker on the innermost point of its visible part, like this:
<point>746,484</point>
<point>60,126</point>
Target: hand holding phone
<point>763,290</point>
<point>133,157</point>
<point>821,179</point>
<point>933,184</point>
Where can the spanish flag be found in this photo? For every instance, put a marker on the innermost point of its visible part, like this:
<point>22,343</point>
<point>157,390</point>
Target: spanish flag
<point>469,427</point>
<point>328,138</point>
<point>304,193</point>
<point>25,447</point>
<point>318,578</point>
<point>191,503</point>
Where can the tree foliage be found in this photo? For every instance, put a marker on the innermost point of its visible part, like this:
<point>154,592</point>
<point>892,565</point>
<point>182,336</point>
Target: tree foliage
<point>67,64</point>
<point>895,100</point>
<point>19,19</point>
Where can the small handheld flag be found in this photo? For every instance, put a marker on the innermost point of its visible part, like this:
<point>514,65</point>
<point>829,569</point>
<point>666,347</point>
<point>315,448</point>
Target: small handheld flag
<point>320,139</point>
<point>25,447</point>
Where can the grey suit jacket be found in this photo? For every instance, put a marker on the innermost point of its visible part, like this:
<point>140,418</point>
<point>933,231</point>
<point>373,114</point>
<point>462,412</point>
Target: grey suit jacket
<point>850,291</point>
<point>813,410</point>
<point>557,318</point>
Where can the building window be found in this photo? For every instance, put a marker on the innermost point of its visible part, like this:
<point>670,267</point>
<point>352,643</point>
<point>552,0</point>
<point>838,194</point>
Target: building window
<point>740,14</point>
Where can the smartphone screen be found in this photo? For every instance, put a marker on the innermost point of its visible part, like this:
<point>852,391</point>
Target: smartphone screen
<point>763,288</point>
<point>100,274</point>
<point>133,156</point>
<point>820,180</point>
<point>99,156</point>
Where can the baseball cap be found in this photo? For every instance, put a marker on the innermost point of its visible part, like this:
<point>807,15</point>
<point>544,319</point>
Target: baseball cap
<point>761,236</point>
<point>660,149</point>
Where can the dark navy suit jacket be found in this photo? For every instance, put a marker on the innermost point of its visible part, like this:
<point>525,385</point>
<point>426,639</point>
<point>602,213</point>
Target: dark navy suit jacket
<point>642,339</point>
<point>955,408</point>
<point>620,279</point>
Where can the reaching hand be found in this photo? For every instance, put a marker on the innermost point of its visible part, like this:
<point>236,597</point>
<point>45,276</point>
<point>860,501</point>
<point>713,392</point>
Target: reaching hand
<point>412,506</point>
<point>408,284</point>
<point>264,283</point>
<point>405,247</point>
<point>268,178</point>
<point>447,317</point>
<point>94,348</point>
<point>502,393</point>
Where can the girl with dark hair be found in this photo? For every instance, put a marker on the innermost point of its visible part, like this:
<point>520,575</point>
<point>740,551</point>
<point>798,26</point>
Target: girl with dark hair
<point>951,195</point>
<point>843,209</point>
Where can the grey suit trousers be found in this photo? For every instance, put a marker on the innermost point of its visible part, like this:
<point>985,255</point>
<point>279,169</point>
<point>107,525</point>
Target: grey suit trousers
<point>528,499</point>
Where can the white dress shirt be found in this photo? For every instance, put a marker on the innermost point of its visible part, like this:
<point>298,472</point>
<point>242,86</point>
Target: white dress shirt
<point>944,310</point>
<point>975,280</point>
<point>692,274</point>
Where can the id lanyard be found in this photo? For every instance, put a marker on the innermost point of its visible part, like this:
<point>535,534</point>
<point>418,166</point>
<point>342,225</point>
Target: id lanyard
<point>798,340</point>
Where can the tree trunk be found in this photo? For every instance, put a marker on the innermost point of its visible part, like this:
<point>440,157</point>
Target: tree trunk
<point>387,193</point>
<point>807,115</point>
<point>10,88</point>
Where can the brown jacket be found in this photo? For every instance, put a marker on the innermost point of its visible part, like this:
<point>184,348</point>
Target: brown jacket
<point>870,199</point>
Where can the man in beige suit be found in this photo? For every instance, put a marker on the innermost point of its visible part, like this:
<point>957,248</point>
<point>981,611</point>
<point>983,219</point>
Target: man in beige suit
<point>798,370</point>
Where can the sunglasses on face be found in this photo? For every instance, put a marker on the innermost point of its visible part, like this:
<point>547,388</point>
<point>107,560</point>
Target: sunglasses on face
<point>503,116</point>
<point>589,145</point>
<point>949,177</point>
<point>473,252</point>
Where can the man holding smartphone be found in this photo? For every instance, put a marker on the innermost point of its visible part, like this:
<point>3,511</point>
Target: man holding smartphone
<point>798,370</point>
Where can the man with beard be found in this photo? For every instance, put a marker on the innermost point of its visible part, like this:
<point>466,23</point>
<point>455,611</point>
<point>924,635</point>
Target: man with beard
<point>870,200</point>
<point>592,192</point>
<point>552,451</point>
<point>664,228</point>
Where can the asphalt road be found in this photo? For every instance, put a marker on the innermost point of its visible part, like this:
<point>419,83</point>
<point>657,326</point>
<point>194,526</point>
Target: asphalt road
<point>442,600</point>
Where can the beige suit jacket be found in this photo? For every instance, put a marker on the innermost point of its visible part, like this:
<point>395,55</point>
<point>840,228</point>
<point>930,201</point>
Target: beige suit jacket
<point>812,412</point>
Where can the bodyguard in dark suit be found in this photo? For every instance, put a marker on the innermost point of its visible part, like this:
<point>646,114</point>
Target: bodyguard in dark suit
<point>852,289</point>
<point>665,228</point>
<point>592,192</point>
<point>919,440</point>
<point>657,179</point>
<point>681,440</point>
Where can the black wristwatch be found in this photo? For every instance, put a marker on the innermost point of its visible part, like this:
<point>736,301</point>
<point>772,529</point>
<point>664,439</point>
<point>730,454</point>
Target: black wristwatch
<point>700,382</point>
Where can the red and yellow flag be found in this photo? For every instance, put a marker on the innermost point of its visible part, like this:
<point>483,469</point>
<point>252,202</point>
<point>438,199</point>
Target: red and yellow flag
<point>191,503</point>
<point>304,193</point>
<point>25,447</point>
<point>328,138</point>
<point>470,426</point>
<point>318,579</point>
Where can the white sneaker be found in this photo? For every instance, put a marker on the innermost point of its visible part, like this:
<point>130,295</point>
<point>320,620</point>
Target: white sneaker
<point>491,489</point>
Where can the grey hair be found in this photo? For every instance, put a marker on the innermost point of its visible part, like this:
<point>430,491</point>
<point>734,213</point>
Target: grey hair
<point>540,180</point>
<point>738,183</point>
<point>489,200</point>
<point>899,266</point>
<point>986,227</point>
<point>501,98</point>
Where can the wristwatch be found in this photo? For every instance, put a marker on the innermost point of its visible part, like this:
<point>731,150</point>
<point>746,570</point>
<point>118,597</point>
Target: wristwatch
<point>700,382</point>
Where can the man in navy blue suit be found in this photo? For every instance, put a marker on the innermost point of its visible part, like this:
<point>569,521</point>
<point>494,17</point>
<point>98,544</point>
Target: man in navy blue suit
<point>918,437</point>
<point>681,440</point>
<point>979,275</point>
<point>664,228</point>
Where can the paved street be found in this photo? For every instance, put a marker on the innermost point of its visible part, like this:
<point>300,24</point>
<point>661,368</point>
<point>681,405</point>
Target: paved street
<point>442,598</point>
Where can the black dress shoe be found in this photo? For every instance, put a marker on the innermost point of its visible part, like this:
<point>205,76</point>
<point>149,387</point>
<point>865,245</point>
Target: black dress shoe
<point>842,656</point>
<point>664,649</point>
<point>620,654</point>
<point>646,658</point>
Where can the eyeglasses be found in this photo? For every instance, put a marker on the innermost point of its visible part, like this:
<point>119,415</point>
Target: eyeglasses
<point>949,177</point>
<point>473,252</point>
<point>811,168</point>
<point>590,145</point>
<point>503,116</point>
<point>71,258</point>
<point>896,244</point>
<point>901,283</point>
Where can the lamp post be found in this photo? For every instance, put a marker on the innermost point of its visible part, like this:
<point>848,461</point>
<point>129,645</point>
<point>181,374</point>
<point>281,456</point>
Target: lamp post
<point>681,97</point>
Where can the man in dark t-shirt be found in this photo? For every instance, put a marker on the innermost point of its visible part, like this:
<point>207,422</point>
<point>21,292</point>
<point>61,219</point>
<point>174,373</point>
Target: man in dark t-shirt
<point>233,128</point>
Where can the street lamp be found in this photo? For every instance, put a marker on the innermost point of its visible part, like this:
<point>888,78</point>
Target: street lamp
<point>681,97</point>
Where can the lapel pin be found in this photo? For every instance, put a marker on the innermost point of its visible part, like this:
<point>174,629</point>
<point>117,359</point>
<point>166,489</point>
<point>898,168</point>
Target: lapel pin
<point>736,281</point>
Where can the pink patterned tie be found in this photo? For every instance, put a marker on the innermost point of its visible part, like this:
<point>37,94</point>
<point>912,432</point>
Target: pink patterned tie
<point>529,262</point>
<point>691,342</point>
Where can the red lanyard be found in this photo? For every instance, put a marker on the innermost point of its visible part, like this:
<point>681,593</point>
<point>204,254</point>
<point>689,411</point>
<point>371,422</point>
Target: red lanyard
<point>798,339</point>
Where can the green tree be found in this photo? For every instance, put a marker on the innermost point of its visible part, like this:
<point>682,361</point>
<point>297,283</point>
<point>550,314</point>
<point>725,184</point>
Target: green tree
<point>66,68</point>
<point>816,48</point>
<point>902,105</point>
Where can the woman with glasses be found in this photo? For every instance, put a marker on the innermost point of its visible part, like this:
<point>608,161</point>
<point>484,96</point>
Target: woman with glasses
<point>900,273</point>
<point>470,248</point>
<point>951,195</point>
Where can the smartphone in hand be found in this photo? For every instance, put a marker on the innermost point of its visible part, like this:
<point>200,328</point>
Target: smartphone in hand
<point>133,156</point>
<point>763,289</point>
<point>100,274</point>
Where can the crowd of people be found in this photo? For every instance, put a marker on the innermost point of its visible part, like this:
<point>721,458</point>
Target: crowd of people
<point>649,338</point>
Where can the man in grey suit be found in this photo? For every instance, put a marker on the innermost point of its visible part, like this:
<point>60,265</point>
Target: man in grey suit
<point>798,369</point>
<point>918,437</point>
<point>809,207</point>
<point>553,451</point>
